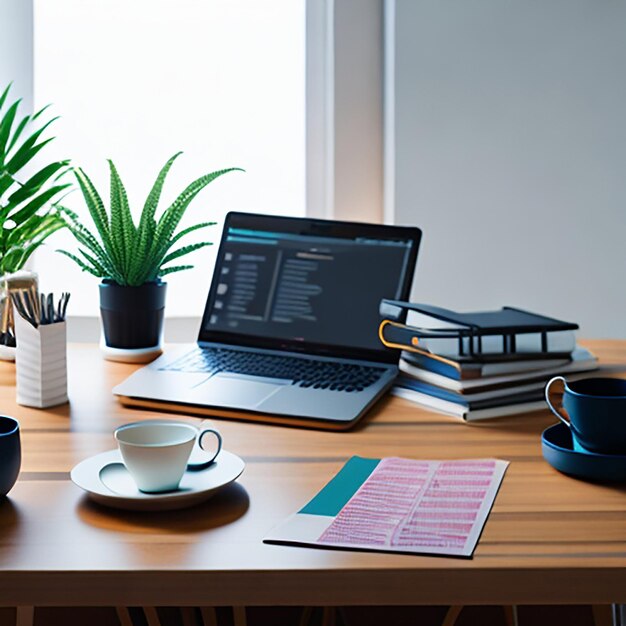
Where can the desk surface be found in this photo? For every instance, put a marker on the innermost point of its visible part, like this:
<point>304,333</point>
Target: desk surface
<point>549,539</point>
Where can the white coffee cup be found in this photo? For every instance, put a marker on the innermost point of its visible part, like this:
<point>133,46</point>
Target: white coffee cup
<point>156,452</point>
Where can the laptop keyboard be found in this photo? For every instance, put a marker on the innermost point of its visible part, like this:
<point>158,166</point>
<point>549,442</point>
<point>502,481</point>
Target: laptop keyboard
<point>301,371</point>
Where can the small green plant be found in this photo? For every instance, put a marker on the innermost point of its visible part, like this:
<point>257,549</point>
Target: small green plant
<point>125,253</point>
<point>27,216</point>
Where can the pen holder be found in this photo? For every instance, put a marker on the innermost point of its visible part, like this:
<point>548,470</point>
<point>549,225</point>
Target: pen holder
<point>41,364</point>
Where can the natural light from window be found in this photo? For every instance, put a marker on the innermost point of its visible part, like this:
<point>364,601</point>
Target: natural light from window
<point>136,81</point>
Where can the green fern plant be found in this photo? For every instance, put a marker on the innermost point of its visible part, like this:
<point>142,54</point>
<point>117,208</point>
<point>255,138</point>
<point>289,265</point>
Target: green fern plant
<point>27,215</point>
<point>132,254</point>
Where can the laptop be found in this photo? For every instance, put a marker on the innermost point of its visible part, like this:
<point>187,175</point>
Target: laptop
<point>290,329</point>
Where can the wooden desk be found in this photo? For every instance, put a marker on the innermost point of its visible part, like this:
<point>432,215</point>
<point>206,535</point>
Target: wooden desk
<point>549,539</point>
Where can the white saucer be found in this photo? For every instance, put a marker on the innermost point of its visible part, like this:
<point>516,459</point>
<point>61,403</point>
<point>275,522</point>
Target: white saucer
<point>130,355</point>
<point>7,353</point>
<point>108,482</point>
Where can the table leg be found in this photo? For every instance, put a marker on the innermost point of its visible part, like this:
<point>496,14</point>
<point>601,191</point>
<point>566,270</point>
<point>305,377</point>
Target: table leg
<point>510,615</point>
<point>305,618</point>
<point>123,615</point>
<point>239,616</point>
<point>452,615</point>
<point>25,616</point>
<point>619,614</point>
<point>152,617</point>
<point>329,616</point>
<point>209,616</point>
<point>188,616</point>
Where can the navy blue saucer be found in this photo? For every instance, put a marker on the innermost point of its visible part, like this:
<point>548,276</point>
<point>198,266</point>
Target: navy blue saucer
<point>558,450</point>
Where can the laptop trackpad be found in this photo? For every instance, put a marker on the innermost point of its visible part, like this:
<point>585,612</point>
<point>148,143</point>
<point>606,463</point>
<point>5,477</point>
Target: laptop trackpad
<point>232,390</point>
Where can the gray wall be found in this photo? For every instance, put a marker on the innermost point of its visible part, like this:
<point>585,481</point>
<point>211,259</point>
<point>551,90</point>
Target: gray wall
<point>16,49</point>
<point>509,152</point>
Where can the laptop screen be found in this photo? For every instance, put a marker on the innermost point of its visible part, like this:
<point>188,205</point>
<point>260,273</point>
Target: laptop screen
<point>303,284</point>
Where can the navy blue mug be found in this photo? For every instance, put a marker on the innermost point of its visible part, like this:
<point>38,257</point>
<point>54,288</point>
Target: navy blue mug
<point>10,453</point>
<point>595,411</point>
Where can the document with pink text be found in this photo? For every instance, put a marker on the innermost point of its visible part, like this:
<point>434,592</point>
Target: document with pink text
<point>399,505</point>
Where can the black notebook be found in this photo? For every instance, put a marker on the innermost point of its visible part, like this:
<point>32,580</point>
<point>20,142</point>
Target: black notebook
<point>507,333</point>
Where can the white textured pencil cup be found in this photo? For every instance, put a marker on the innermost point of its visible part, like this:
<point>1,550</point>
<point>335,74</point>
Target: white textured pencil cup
<point>41,364</point>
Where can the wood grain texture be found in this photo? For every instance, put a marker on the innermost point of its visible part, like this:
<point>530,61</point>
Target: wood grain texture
<point>549,539</point>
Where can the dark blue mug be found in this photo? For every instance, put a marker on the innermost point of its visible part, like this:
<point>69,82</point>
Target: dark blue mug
<point>10,453</point>
<point>595,411</point>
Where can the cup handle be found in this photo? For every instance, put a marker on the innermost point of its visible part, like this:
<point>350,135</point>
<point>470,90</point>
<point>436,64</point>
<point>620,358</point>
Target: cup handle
<point>196,467</point>
<point>558,410</point>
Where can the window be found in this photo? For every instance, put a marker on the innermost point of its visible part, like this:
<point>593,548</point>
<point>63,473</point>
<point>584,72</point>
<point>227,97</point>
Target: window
<point>222,80</point>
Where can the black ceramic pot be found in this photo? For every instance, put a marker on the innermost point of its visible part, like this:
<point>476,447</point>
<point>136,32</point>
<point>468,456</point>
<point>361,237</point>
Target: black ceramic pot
<point>10,453</point>
<point>132,317</point>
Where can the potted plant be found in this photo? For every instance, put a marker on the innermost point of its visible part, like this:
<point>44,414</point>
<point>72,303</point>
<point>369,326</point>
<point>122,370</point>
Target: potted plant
<point>27,213</point>
<point>132,259</point>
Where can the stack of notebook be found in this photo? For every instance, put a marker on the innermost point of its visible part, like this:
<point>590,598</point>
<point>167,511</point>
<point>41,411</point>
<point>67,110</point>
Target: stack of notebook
<point>480,365</point>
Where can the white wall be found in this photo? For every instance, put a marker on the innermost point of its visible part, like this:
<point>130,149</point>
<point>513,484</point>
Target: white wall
<point>87,329</point>
<point>344,109</point>
<point>16,49</point>
<point>509,151</point>
<point>227,88</point>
